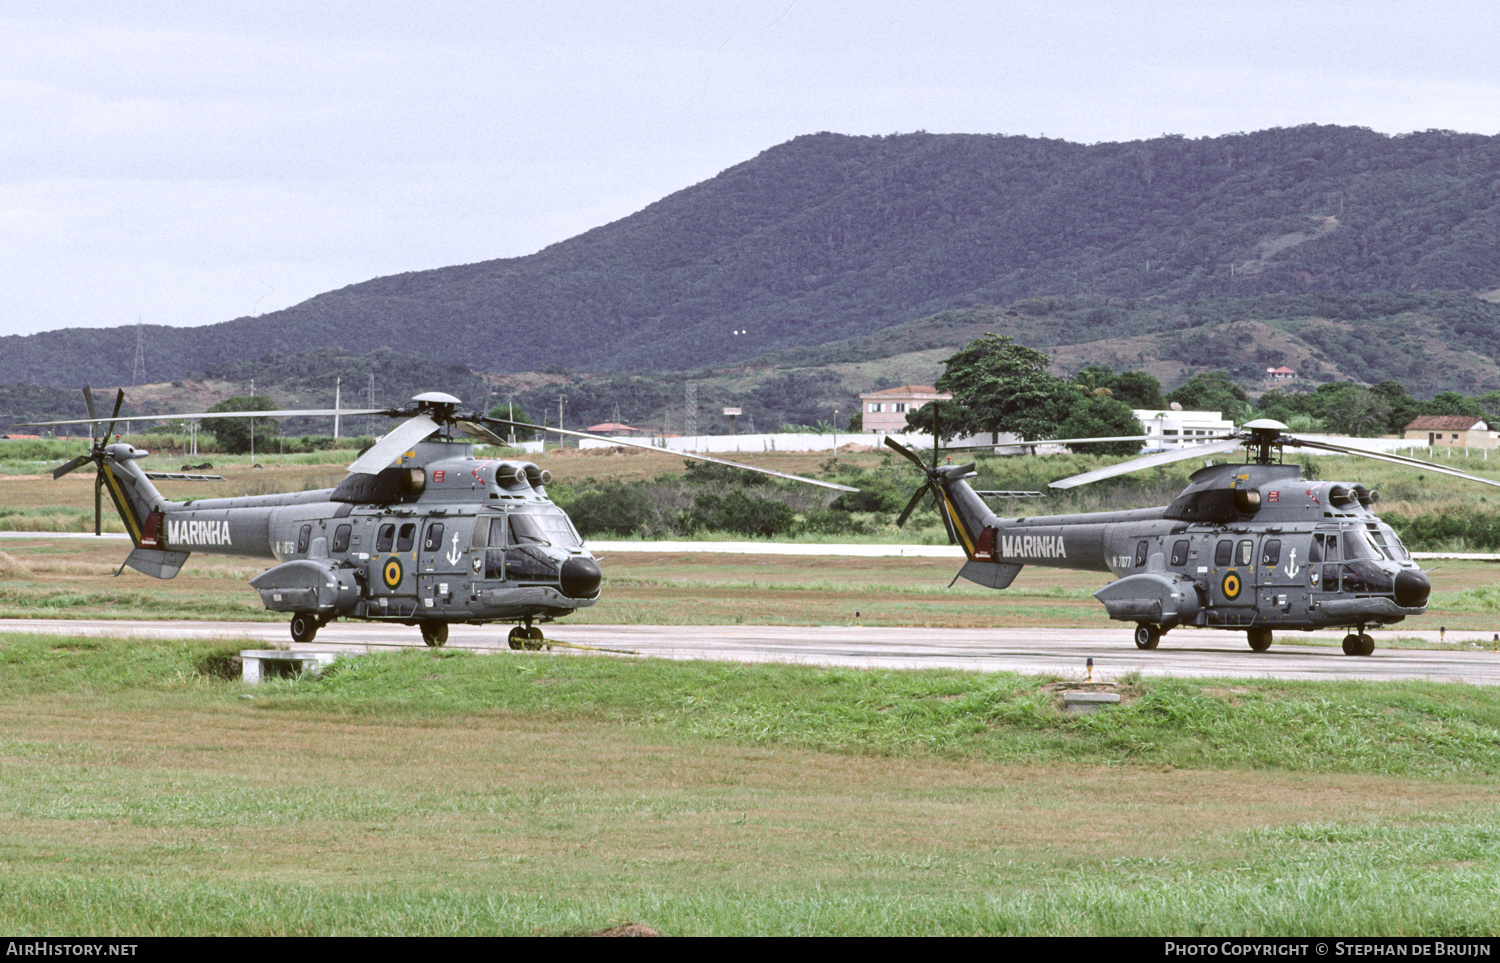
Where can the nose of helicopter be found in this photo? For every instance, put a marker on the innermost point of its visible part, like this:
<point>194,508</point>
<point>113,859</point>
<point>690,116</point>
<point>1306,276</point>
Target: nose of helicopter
<point>580,578</point>
<point>1412,588</point>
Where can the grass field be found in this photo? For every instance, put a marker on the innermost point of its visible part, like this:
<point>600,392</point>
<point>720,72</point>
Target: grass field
<point>437,793</point>
<point>442,793</point>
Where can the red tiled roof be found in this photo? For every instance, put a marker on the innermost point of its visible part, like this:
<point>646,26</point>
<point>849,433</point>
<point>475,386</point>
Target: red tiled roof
<point>1443,423</point>
<point>905,390</point>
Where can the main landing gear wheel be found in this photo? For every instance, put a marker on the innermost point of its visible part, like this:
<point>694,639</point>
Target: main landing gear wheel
<point>1260,638</point>
<point>1358,644</point>
<point>435,633</point>
<point>304,627</point>
<point>1146,636</point>
<point>529,638</point>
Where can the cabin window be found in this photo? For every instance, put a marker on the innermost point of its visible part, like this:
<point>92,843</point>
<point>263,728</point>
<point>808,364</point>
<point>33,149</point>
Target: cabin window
<point>434,540</point>
<point>1179,552</point>
<point>405,537</point>
<point>303,537</point>
<point>341,538</point>
<point>1315,551</point>
<point>1246,553</point>
<point>384,539</point>
<point>1140,553</point>
<point>1224,553</point>
<point>1270,553</point>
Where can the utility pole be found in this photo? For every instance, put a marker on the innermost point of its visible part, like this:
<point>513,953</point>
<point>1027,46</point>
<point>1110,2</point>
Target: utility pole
<point>560,400</point>
<point>138,371</point>
<point>337,382</point>
<point>690,413</point>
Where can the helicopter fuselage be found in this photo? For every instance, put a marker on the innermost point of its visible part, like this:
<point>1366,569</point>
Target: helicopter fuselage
<point>1244,545</point>
<point>439,537</point>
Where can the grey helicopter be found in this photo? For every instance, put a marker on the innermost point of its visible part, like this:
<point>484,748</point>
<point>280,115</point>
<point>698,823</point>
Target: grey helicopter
<point>421,532</point>
<point>1248,546</point>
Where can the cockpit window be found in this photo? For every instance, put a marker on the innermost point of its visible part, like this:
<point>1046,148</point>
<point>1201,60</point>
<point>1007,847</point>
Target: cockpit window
<point>543,529</point>
<point>1359,544</point>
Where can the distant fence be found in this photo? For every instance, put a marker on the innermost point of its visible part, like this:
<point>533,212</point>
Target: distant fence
<point>809,441</point>
<point>728,444</point>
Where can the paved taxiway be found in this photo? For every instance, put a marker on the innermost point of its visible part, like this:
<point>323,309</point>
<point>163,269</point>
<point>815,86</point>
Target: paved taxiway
<point>1061,652</point>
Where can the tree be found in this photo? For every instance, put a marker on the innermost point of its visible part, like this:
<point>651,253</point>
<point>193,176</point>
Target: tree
<point>1100,416</point>
<point>235,435</point>
<point>513,412</point>
<point>1137,389</point>
<point>1349,409</point>
<point>1213,391</point>
<point>1002,386</point>
<point>948,415</point>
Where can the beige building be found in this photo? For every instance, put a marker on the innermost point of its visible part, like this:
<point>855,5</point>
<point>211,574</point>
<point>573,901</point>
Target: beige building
<point>885,411</point>
<point>1452,431</point>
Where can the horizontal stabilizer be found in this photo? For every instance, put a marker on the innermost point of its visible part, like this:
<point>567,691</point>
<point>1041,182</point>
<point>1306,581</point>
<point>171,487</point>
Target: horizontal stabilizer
<point>990,574</point>
<point>156,562</point>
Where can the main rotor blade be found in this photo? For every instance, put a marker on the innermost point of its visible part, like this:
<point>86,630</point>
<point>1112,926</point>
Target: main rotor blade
<point>1394,459</point>
<point>1146,461</point>
<point>475,430</point>
<point>63,469</point>
<point>394,444</point>
<point>911,506</point>
<point>669,451</point>
<point>98,506</point>
<point>1046,441</point>
<point>272,413</point>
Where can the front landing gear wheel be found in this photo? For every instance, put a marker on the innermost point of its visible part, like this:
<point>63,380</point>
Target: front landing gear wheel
<point>1146,636</point>
<point>435,633</point>
<point>1260,639</point>
<point>534,639</point>
<point>304,627</point>
<point>517,638</point>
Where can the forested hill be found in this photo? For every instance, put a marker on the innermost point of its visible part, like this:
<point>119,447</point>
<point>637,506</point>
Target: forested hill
<point>829,236</point>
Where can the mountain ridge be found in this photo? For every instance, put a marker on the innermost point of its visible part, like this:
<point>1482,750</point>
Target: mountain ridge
<point>829,237</point>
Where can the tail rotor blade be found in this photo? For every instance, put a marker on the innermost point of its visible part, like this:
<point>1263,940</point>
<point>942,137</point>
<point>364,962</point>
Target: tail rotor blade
<point>88,400</point>
<point>63,469</point>
<point>948,524</point>
<point>119,400</point>
<point>911,505</point>
<point>910,455</point>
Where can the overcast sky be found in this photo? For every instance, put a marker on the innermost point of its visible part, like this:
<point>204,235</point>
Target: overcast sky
<point>186,163</point>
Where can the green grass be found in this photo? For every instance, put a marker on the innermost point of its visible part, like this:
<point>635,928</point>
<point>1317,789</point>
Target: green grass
<point>449,793</point>
<point>1405,729</point>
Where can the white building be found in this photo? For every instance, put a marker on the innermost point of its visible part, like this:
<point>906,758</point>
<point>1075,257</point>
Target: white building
<point>1165,429</point>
